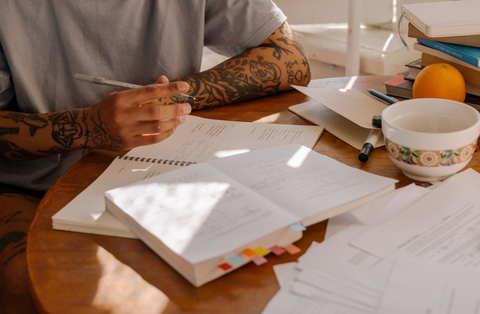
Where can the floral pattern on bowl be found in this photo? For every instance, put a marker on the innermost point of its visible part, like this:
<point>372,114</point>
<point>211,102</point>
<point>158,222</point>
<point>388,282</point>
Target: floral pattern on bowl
<point>430,158</point>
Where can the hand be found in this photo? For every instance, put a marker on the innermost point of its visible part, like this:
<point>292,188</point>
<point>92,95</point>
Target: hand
<point>127,119</point>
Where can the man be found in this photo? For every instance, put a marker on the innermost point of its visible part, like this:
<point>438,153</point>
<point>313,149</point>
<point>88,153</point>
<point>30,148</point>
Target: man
<point>48,120</point>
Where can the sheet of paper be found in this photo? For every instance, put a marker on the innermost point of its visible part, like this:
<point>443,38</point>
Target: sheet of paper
<point>291,299</point>
<point>336,257</point>
<point>285,273</point>
<point>301,180</point>
<point>443,227</point>
<point>199,212</point>
<point>338,223</point>
<point>339,126</point>
<point>86,212</point>
<point>200,140</point>
<point>418,287</point>
<point>349,103</point>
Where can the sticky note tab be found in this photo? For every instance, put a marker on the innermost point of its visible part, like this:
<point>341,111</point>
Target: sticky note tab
<point>259,260</point>
<point>235,260</point>
<point>249,253</point>
<point>260,251</point>
<point>292,249</point>
<point>298,227</point>
<point>277,250</point>
<point>225,266</point>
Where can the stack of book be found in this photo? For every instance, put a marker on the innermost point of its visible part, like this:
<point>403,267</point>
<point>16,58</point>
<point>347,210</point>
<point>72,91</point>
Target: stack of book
<point>446,32</point>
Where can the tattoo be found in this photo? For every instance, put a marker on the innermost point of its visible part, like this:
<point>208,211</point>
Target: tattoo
<point>101,135</point>
<point>9,238</point>
<point>278,50</point>
<point>32,120</point>
<point>65,128</point>
<point>265,71</point>
<point>224,86</point>
<point>11,218</point>
<point>292,75</point>
<point>87,131</point>
<point>5,131</point>
<point>11,151</point>
<point>13,237</point>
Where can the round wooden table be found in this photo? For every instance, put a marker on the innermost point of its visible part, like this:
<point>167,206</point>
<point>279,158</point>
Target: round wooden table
<point>84,273</point>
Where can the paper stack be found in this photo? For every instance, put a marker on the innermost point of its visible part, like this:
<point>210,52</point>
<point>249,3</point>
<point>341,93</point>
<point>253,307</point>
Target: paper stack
<point>414,250</point>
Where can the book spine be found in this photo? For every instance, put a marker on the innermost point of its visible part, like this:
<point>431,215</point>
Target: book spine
<point>452,51</point>
<point>158,161</point>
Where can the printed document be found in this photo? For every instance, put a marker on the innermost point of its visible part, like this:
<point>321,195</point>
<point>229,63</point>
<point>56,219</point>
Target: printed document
<point>443,227</point>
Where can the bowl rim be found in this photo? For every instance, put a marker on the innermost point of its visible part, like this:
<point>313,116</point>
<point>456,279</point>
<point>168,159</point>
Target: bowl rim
<point>384,121</point>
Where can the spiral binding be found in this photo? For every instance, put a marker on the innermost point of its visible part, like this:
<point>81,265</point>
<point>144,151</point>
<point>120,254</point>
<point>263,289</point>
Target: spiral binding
<point>158,161</point>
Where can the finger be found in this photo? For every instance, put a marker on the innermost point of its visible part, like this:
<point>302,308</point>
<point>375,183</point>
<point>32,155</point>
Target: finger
<point>148,93</point>
<point>162,80</point>
<point>148,139</point>
<point>156,111</point>
<point>158,127</point>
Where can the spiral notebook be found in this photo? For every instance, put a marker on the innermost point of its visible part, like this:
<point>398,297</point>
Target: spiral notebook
<point>197,140</point>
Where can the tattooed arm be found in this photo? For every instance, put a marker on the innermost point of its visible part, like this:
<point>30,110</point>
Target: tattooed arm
<point>121,121</point>
<point>274,66</point>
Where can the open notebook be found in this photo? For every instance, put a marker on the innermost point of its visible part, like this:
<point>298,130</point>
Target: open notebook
<point>200,218</point>
<point>197,140</point>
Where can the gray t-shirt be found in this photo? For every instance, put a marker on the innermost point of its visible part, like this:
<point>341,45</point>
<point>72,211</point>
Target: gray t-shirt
<point>44,43</point>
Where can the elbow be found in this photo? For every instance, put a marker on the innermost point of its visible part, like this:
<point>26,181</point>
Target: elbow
<point>301,74</point>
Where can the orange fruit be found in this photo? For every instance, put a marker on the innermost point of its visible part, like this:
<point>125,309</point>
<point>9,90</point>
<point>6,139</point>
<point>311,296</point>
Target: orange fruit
<point>440,80</point>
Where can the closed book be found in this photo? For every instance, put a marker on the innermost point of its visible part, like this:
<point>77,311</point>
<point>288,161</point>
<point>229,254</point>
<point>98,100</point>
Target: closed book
<point>437,53</point>
<point>446,18</point>
<point>399,86</point>
<point>470,55</point>
<point>469,40</point>
<point>414,68</point>
<point>206,218</point>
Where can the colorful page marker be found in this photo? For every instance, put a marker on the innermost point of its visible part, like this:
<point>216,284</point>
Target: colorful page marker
<point>277,250</point>
<point>235,260</point>
<point>298,227</point>
<point>260,251</point>
<point>259,260</point>
<point>249,253</point>
<point>225,266</point>
<point>292,249</point>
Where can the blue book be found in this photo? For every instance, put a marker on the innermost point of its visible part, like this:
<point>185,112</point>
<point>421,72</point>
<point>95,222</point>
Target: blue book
<point>467,54</point>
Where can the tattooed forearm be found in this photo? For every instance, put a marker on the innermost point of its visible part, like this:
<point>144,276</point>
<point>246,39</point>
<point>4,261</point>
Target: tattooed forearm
<point>269,68</point>
<point>65,128</point>
<point>11,151</point>
<point>32,120</point>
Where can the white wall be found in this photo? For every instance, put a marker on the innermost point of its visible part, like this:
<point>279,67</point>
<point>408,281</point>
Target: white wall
<point>336,11</point>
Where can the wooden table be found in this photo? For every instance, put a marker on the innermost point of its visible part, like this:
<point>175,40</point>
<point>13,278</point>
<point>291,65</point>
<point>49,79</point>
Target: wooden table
<point>82,273</point>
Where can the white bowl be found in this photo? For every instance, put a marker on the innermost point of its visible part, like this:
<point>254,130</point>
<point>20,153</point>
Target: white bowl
<point>430,139</point>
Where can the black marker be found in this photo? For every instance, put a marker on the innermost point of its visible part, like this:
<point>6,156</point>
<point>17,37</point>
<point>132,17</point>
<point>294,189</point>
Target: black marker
<point>374,134</point>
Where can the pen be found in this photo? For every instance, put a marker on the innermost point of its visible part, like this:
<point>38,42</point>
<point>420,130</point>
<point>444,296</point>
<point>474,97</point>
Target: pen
<point>374,134</point>
<point>382,96</point>
<point>103,81</point>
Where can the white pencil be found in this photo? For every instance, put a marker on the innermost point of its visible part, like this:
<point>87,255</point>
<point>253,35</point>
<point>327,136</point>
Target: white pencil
<point>103,81</point>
